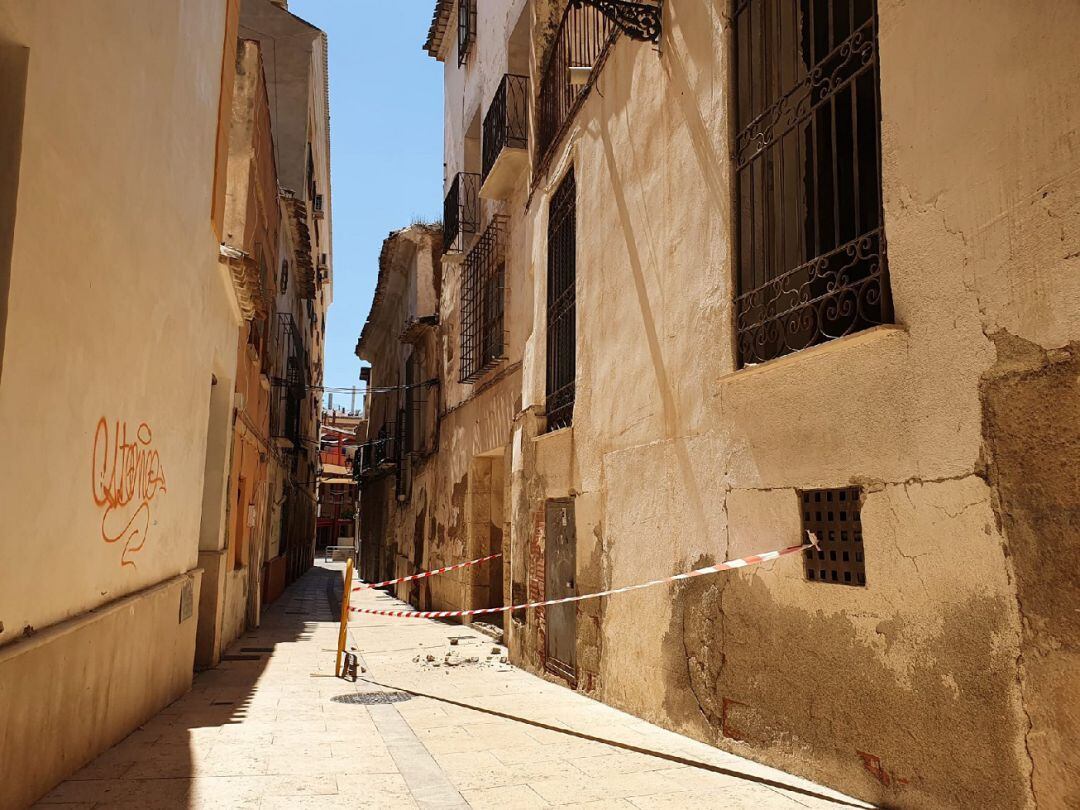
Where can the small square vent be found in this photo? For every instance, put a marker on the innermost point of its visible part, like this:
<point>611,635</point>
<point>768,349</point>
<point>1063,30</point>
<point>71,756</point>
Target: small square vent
<point>834,517</point>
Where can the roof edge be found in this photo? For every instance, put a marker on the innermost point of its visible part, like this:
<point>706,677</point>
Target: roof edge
<point>440,20</point>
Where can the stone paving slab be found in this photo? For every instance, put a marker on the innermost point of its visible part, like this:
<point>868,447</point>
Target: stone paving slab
<point>281,732</point>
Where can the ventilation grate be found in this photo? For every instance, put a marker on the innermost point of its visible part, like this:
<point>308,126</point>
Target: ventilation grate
<point>834,516</point>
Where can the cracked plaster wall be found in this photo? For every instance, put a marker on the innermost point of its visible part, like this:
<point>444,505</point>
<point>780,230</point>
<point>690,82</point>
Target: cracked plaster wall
<point>919,689</point>
<point>933,686</point>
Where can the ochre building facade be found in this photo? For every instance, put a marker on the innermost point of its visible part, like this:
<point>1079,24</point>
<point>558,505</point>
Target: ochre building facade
<point>768,268</point>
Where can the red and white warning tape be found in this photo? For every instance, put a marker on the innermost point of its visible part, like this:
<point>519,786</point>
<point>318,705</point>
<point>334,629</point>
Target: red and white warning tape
<point>424,574</point>
<point>753,559</point>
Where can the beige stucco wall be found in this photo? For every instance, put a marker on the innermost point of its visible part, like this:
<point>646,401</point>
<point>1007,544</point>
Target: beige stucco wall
<point>118,310</point>
<point>676,458</point>
<point>83,685</point>
<point>118,315</point>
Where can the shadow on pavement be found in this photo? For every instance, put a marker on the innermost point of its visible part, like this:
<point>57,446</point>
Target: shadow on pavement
<point>628,747</point>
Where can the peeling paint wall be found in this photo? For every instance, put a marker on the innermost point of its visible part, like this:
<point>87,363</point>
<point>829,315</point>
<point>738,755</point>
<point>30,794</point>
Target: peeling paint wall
<point>1031,425</point>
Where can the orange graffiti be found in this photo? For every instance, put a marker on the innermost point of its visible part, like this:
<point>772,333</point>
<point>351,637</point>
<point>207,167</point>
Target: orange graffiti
<point>126,476</point>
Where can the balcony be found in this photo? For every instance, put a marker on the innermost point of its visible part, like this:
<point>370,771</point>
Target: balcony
<point>505,138</point>
<point>378,454</point>
<point>461,215</point>
<point>577,52</point>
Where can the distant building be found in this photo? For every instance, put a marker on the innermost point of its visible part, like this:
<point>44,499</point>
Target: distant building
<point>303,291</point>
<point>237,527</point>
<point>336,524</point>
<point>397,461</point>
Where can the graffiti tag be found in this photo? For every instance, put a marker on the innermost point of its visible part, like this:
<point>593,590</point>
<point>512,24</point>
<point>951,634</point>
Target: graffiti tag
<point>126,476</point>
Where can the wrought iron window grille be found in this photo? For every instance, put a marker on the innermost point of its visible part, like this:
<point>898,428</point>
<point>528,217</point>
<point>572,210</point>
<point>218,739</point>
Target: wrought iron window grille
<point>640,21</point>
<point>834,516</point>
<point>414,441</point>
<point>461,211</point>
<point>483,338</point>
<point>403,461</point>
<point>562,305</point>
<point>582,39</point>
<point>812,260</point>
<point>506,123</point>
<point>466,29</point>
<point>291,388</point>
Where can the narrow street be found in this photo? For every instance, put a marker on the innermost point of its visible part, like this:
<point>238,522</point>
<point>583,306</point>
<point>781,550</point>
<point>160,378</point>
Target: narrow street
<point>270,727</point>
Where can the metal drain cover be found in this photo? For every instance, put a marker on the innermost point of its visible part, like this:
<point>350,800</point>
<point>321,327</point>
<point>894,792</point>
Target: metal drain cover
<point>372,698</point>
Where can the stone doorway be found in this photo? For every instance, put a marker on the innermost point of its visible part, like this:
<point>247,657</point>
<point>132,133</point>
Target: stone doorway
<point>488,521</point>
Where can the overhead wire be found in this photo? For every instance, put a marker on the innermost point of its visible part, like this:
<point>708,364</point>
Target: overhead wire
<point>377,389</point>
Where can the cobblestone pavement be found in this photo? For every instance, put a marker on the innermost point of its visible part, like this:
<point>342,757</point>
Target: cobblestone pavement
<point>270,727</point>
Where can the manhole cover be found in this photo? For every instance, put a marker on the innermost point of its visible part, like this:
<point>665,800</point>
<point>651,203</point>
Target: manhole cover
<point>372,698</point>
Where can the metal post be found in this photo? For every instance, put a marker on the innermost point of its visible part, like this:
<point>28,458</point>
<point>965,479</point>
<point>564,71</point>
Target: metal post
<point>344,617</point>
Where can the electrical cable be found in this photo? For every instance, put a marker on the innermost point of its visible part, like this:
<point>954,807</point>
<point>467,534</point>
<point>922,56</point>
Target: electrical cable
<point>377,389</point>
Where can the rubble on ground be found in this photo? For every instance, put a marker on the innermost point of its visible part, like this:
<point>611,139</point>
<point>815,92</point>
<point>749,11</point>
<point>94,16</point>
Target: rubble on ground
<point>465,652</point>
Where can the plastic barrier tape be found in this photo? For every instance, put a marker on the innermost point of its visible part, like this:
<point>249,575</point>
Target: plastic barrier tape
<point>426,573</point>
<point>729,565</point>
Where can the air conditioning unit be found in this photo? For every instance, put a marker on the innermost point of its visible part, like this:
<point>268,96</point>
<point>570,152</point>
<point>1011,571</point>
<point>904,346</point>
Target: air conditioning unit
<point>317,207</point>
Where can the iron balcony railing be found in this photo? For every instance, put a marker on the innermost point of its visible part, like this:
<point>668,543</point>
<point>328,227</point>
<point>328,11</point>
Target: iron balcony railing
<point>506,123</point>
<point>581,41</point>
<point>461,211</point>
<point>378,451</point>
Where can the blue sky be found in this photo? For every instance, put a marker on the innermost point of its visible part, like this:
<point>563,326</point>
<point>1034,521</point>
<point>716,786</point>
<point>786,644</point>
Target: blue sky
<point>385,148</point>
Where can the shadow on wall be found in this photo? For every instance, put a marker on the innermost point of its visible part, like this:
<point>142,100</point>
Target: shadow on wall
<point>201,734</point>
<point>13,61</point>
<point>672,422</point>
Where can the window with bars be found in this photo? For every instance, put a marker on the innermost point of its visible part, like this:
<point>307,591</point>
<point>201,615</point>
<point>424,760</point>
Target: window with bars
<point>403,459</point>
<point>483,281</point>
<point>811,245</point>
<point>834,517</point>
<point>415,439</point>
<point>466,29</point>
<point>561,304</point>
